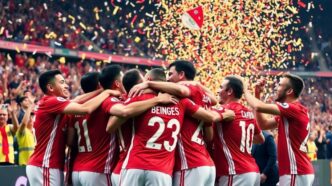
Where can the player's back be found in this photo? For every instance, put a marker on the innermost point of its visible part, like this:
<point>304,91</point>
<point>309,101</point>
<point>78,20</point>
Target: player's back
<point>96,148</point>
<point>233,142</point>
<point>293,133</point>
<point>192,151</point>
<point>155,136</point>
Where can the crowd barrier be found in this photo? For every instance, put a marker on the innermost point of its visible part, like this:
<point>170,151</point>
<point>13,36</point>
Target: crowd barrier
<point>16,176</point>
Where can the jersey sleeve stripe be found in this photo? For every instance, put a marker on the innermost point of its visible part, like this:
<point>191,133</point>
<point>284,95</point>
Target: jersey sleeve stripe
<point>291,154</point>
<point>47,155</point>
<point>107,169</point>
<point>227,152</point>
<point>184,164</point>
<point>124,165</point>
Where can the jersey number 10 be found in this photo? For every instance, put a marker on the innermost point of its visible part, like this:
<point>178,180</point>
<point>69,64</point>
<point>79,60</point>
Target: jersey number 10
<point>246,136</point>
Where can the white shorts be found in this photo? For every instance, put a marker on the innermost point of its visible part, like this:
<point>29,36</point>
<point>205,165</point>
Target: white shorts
<point>204,175</point>
<point>293,179</point>
<point>90,179</point>
<point>246,179</point>
<point>115,178</point>
<point>138,177</point>
<point>39,176</point>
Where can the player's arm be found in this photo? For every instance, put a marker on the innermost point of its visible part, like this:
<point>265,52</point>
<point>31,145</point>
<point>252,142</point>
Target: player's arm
<point>114,123</point>
<point>71,134</point>
<point>213,116</point>
<point>85,97</point>
<point>168,87</point>
<point>258,138</point>
<point>89,106</point>
<point>208,133</point>
<point>136,108</point>
<point>260,108</point>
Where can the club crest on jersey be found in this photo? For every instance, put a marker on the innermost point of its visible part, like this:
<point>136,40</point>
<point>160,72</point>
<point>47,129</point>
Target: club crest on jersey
<point>114,99</point>
<point>61,99</point>
<point>283,105</point>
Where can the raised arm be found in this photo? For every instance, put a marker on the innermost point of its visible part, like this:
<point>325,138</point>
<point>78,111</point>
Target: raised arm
<point>12,109</point>
<point>260,107</point>
<point>26,118</point>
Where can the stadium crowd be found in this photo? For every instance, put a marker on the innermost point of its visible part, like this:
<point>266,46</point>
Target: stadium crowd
<point>33,22</point>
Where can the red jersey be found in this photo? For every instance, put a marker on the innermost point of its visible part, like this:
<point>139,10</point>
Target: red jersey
<point>96,147</point>
<point>50,131</point>
<point>233,142</point>
<point>293,133</point>
<point>191,150</point>
<point>155,136</point>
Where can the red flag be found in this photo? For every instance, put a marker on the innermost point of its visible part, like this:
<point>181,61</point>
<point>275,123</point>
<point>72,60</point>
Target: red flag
<point>193,18</point>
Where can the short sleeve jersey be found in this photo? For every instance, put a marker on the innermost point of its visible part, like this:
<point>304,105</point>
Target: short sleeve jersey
<point>155,136</point>
<point>96,148</point>
<point>293,133</point>
<point>233,142</point>
<point>50,131</point>
<point>191,150</point>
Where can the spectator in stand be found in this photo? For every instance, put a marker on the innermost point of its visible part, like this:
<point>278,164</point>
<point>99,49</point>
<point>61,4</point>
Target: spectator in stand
<point>329,145</point>
<point>7,133</point>
<point>321,143</point>
<point>312,148</point>
<point>25,135</point>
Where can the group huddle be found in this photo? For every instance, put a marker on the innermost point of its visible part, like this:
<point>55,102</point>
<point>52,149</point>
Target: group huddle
<point>132,130</point>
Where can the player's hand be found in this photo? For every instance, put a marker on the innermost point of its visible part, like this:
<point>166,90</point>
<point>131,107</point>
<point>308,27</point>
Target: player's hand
<point>259,85</point>
<point>263,178</point>
<point>228,115</point>
<point>138,89</point>
<point>165,98</point>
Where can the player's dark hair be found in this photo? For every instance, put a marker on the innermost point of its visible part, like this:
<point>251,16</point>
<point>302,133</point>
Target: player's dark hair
<point>296,83</point>
<point>185,66</point>
<point>235,84</point>
<point>130,79</point>
<point>46,78</point>
<point>108,75</point>
<point>90,82</point>
<point>157,74</point>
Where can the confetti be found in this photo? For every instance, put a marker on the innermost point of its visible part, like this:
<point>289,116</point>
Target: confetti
<point>237,37</point>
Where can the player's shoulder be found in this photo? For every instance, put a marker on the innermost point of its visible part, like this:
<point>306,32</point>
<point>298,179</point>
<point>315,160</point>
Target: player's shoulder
<point>292,105</point>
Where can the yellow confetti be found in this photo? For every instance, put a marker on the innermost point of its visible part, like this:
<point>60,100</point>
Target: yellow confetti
<point>82,25</point>
<point>62,60</point>
<point>115,10</point>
